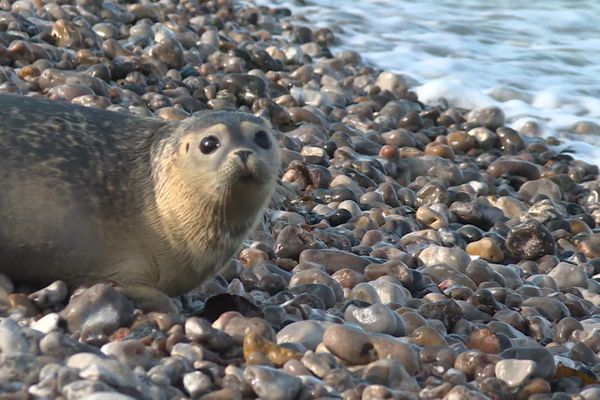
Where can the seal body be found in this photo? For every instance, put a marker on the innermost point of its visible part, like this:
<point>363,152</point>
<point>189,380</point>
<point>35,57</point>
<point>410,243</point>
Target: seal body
<point>89,195</point>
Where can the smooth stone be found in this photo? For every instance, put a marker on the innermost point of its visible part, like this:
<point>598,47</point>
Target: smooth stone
<point>47,323</point>
<point>395,83</point>
<point>238,326</point>
<point>109,371</point>
<point>366,292</point>
<point>351,206</point>
<point>389,347</point>
<point>350,344</point>
<point>568,276</point>
<point>426,336</point>
<point>197,383</point>
<point>510,140</point>
<point>511,207</point>
<point>390,373</point>
<point>85,388</point>
<point>487,249</point>
<point>334,260</point>
<point>319,364</point>
<point>131,352</point>
<point>565,327</point>
<point>485,340</point>
<point>51,295</point>
<point>13,341</point>
<point>515,372</point>
<point>441,273</point>
<point>58,344</point>
<point>395,268</point>
<point>544,281</point>
<point>97,312</point>
<point>389,292</point>
<point>510,273</point>
<point>107,396</point>
<point>376,318</point>
<point>517,167</point>
<point>551,308</point>
<point>545,366</point>
<point>488,117</point>
<point>307,333</point>
<point>17,356</point>
<point>200,331</point>
<point>314,275</point>
<point>530,190</point>
<point>412,321</point>
<point>270,383</point>
<point>451,256</point>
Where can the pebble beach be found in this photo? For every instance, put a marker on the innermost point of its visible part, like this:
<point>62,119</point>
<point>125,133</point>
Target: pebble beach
<point>411,251</point>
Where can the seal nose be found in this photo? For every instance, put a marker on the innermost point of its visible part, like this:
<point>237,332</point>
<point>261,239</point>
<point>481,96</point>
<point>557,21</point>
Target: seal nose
<point>243,154</point>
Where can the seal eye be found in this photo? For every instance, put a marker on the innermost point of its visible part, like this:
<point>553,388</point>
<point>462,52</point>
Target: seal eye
<point>262,140</point>
<point>209,144</point>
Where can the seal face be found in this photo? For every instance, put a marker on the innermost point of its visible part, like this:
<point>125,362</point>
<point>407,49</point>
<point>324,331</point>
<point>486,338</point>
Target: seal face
<point>232,163</point>
<point>90,195</point>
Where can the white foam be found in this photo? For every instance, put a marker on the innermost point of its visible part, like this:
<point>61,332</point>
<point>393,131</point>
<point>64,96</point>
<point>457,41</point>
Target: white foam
<point>536,60</point>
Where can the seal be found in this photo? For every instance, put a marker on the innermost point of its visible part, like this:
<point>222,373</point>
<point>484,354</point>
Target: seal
<point>89,195</point>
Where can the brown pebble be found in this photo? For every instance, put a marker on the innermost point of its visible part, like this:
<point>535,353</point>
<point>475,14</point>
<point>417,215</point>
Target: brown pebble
<point>389,151</point>
<point>21,300</point>
<point>460,141</point>
<point>440,150</point>
<point>256,346</point>
<point>485,340</point>
<point>533,387</point>
<point>487,249</point>
<point>427,336</point>
<point>348,278</point>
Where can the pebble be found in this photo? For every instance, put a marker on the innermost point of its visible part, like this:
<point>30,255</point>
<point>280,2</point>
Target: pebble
<point>53,294</point>
<point>376,318</point>
<point>197,383</point>
<point>97,312</point>
<point>451,256</point>
<point>307,333</point>
<point>530,240</point>
<point>544,366</point>
<point>515,372</point>
<point>271,384</point>
<point>488,117</point>
<point>349,344</point>
<point>47,323</point>
<point>334,260</point>
<point>568,276</point>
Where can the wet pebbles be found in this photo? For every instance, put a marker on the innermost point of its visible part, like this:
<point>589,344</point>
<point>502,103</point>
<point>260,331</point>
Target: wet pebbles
<point>410,252</point>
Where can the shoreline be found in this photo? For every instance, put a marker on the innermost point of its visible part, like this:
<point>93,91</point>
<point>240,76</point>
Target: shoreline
<point>412,252</point>
<point>452,74</point>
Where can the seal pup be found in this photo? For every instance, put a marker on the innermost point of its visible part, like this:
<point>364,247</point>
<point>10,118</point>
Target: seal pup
<point>89,195</point>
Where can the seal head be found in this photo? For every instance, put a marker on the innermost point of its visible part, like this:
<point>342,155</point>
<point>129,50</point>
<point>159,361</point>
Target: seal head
<point>213,177</point>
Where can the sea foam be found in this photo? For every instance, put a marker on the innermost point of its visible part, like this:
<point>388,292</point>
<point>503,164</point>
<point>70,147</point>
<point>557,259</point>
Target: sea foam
<point>538,61</point>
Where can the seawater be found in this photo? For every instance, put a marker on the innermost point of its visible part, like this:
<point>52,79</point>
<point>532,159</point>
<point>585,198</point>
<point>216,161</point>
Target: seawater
<point>537,60</point>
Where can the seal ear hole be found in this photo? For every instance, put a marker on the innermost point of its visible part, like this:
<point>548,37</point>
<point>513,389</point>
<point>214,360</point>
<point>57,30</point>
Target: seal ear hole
<point>187,147</point>
<point>261,138</point>
<point>209,144</point>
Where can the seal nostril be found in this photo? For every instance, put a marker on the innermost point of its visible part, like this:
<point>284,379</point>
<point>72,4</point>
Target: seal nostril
<point>243,154</point>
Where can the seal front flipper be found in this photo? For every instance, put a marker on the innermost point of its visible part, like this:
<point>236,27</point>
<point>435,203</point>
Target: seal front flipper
<point>149,299</point>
